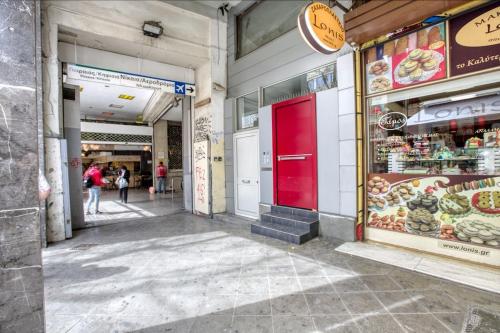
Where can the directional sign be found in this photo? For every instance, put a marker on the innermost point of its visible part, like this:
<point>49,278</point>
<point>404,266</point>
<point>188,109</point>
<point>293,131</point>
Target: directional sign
<point>84,73</point>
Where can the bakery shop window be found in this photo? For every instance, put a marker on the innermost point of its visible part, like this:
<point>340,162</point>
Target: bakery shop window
<point>434,165</point>
<point>448,135</point>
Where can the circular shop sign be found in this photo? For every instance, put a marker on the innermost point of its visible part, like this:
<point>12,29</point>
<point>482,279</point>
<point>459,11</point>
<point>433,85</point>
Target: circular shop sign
<point>392,121</point>
<point>321,28</point>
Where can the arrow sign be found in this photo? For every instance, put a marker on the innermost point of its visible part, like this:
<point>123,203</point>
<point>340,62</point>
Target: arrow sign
<point>190,89</point>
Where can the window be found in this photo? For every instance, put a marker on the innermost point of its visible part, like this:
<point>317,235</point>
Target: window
<point>319,79</point>
<point>247,108</point>
<point>263,22</point>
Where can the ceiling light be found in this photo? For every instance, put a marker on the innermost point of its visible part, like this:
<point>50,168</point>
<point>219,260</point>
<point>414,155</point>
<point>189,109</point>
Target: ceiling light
<point>462,97</point>
<point>116,106</point>
<point>152,29</point>
<point>125,96</point>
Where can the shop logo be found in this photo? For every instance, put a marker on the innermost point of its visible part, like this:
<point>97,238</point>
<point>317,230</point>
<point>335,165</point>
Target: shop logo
<point>483,30</point>
<point>321,28</point>
<point>392,121</point>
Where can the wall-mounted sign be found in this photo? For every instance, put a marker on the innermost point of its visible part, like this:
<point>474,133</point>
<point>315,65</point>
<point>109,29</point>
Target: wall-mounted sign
<point>83,73</point>
<point>321,28</point>
<point>392,121</point>
<point>475,40</point>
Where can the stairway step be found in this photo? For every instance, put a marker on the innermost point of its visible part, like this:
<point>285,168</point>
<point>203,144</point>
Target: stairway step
<point>282,232</point>
<point>294,211</point>
<point>294,221</point>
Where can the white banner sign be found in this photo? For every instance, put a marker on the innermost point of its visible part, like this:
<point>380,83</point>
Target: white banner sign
<point>83,73</point>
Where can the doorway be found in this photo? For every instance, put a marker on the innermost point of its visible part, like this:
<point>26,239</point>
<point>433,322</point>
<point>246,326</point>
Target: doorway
<point>295,153</point>
<point>246,173</point>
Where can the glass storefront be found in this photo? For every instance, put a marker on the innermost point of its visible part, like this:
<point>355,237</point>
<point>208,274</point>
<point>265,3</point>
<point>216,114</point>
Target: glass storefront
<point>433,139</point>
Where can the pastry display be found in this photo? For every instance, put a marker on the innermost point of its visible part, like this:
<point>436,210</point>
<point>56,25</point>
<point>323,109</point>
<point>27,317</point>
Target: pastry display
<point>393,198</point>
<point>426,201</point>
<point>380,83</point>
<point>379,67</point>
<point>404,190</point>
<point>473,143</point>
<point>402,45</point>
<point>434,35</point>
<point>447,232</point>
<point>487,202</point>
<point>421,221</point>
<point>390,222</point>
<point>477,232</point>
<point>389,48</point>
<point>378,185</point>
<point>422,39</point>
<point>419,65</point>
<point>454,204</point>
<point>376,202</point>
<point>472,185</point>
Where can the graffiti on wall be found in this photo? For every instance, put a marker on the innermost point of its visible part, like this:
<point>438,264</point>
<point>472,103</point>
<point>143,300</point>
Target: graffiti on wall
<point>201,200</point>
<point>202,128</point>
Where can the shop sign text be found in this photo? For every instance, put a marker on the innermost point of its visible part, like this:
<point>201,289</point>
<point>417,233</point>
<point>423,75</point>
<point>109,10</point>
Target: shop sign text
<point>392,121</point>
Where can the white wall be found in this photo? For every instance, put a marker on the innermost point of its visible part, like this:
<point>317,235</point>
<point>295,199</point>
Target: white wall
<point>113,61</point>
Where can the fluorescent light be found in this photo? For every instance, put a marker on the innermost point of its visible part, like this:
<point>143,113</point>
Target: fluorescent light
<point>462,97</point>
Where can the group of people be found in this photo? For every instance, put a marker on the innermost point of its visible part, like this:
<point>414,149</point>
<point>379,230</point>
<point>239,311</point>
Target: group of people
<point>93,180</point>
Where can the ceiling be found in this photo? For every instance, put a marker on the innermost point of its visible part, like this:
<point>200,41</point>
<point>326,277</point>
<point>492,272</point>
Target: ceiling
<point>174,114</point>
<point>96,98</point>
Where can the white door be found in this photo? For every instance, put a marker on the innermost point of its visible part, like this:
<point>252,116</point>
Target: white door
<point>246,173</point>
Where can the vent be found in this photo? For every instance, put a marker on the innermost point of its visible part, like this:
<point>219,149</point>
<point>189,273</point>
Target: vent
<point>112,137</point>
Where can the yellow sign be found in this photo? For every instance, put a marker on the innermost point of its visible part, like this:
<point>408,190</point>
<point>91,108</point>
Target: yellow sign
<point>321,28</point>
<point>484,30</point>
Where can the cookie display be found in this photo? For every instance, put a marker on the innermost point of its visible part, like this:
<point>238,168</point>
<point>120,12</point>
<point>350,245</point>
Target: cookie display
<point>393,199</point>
<point>477,232</point>
<point>376,202</point>
<point>379,67</point>
<point>389,222</point>
<point>419,65</point>
<point>454,204</point>
<point>421,221</point>
<point>404,190</point>
<point>378,185</point>
<point>447,232</point>
<point>487,202</point>
<point>380,83</point>
<point>427,201</point>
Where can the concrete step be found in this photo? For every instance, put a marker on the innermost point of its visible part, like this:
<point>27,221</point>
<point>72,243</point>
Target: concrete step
<point>282,232</point>
<point>294,211</point>
<point>294,221</point>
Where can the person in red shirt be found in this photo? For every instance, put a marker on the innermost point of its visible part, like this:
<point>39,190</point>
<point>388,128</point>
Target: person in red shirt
<point>95,174</point>
<point>161,176</point>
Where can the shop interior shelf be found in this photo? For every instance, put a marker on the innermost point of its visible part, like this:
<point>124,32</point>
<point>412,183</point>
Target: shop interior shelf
<point>441,160</point>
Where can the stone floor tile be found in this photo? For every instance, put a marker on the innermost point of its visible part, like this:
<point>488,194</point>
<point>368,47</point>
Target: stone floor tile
<point>294,305</point>
<point>414,280</point>
<point>227,272</point>
<point>206,324</point>
<point>310,270</point>
<point>284,285</point>
<point>368,267</point>
<point>422,323</point>
<point>316,285</point>
<point>453,321</point>
<point>61,323</point>
<point>281,271</point>
<point>379,282</point>
<point>252,324</point>
<point>362,303</point>
<point>401,302</point>
<point>218,305</point>
<point>254,285</point>
<point>320,304</point>
<point>336,324</point>
<point>293,324</point>
<point>250,270</point>
<point>223,286</point>
<point>437,301</point>
<point>253,305</point>
<point>347,283</point>
<point>379,323</point>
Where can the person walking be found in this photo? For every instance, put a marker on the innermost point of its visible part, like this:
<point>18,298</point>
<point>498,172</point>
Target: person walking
<point>123,181</point>
<point>161,176</point>
<point>93,181</point>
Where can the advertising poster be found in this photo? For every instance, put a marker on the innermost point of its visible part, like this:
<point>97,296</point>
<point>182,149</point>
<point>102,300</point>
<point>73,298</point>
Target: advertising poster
<point>463,208</point>
<point>409,60</point>
<point>475,41</point>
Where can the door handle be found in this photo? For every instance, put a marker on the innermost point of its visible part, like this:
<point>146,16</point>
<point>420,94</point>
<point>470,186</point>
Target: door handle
<point>292,157</point>
<point>245,181</point>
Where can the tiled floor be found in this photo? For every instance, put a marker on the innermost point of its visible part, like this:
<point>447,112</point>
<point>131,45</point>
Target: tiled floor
<point>140,204</point>
<point>183,273</point>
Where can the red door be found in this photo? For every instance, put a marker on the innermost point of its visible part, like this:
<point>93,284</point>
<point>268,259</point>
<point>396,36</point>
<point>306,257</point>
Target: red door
<point>294,153</point>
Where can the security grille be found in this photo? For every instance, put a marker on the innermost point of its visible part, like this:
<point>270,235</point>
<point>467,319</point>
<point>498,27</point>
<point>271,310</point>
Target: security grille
<point>112,137</point>
<point>174,145</point>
